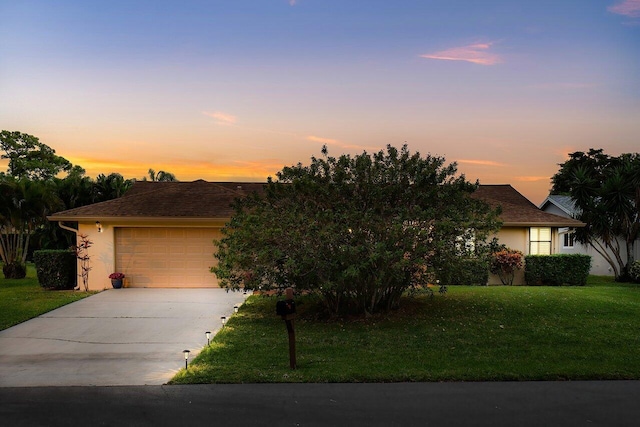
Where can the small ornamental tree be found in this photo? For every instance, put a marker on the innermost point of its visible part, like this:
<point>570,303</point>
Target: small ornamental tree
<point>357,231</point>
<point>82,253</point>
<point>505,263</point>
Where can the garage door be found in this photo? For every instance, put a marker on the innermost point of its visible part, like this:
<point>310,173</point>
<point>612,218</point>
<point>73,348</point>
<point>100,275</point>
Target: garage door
<point>166,257</point>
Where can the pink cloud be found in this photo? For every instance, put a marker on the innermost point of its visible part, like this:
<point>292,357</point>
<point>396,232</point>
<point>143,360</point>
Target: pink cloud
<point>222,118</point>
<point>478,53</point>
<point>629,8</point>
<point>293,2</point>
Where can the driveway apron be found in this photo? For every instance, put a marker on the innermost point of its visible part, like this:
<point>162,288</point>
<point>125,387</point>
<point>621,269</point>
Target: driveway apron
<point>116,337</point>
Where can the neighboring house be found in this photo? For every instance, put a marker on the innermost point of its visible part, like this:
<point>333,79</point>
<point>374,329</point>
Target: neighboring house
<point>160,234</point>
<point>525,227</point>
<point>564,206</point>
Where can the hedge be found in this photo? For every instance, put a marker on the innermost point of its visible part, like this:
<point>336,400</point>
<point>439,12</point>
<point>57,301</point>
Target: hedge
<point>466,272</point>
<point>55,268</point>
<point>558,269</point>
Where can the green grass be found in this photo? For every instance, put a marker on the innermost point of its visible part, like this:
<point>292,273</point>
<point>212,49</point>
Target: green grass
<point>469,334</point>
<point>23,299</point>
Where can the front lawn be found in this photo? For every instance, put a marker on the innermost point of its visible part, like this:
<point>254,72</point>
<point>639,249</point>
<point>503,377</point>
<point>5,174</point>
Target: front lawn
<point>469,334</point>
<point>23,299</point>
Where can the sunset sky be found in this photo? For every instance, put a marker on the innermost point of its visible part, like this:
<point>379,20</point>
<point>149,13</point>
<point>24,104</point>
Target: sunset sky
<point>237,89</point>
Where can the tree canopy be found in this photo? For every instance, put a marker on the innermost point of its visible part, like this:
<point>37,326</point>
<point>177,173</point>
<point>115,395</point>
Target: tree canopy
<point>32,189</point>
<point>29,158</point>
<point>358,231</point>
<point>606,193</point>
<point>160,176</point>
<point>24,205</point>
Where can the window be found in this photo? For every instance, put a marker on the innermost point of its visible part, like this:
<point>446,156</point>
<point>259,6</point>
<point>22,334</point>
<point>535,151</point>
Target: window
<point>568,239</point>
<point>540,241</point>
<point>466,244</point>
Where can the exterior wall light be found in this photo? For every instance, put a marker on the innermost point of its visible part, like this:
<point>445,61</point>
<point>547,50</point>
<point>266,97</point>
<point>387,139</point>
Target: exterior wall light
<point>208,334</point>
<point>186,358</point>
<point>99,226</point>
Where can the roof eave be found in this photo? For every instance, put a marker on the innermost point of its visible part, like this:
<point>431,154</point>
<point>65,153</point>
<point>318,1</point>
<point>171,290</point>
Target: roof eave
<point>543,224</point>
<point>137,219</point>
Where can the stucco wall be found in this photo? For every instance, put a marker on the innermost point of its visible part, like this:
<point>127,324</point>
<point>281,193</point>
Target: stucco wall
<point>102,252</point>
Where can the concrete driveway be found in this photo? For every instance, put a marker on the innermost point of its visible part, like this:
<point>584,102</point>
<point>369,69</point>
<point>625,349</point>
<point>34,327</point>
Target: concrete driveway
<point>116,337</point>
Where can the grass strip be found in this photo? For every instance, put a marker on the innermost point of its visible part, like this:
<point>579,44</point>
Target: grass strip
<point>470,334</point>
<point>24,299</point>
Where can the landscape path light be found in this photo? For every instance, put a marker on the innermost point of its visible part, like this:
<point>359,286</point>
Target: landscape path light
<point>235,308</point>
<point>208,334</point>
<point>186,358</point>
<point>223,319</point>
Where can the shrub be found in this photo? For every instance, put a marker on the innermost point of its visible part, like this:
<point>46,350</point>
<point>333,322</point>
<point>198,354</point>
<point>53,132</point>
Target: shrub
<point>470,271</point>
<point>14,270</point>
<point>505,263</point>
<point>634,271</point>
<point>56,269</point>
<point>559,269</point>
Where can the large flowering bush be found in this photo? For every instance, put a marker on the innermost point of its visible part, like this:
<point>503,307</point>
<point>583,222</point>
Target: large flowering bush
<point>505,263</point>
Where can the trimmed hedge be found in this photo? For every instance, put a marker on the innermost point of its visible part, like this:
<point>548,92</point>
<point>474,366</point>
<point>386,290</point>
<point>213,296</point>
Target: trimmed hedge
<point>466,272</point>
<point>558,269</point>
<point>56,269</point>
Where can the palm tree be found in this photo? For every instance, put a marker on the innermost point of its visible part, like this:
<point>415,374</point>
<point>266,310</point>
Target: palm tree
<point>24,206</point>
<point>161,176</point>
<point>110,186</point>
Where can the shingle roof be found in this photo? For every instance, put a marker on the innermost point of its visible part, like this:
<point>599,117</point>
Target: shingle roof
<point>197,199</point>
<point>517,210</point>
<point>565,203</point>
<point>213,200</point>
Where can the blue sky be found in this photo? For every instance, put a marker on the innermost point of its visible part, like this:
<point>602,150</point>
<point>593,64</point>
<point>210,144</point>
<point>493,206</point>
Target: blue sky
<point>234,90</point>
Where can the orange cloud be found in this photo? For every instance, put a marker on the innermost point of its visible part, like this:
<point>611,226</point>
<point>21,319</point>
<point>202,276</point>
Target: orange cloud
<point>221,118</point>
<point>629,8</point>
<point>322,140</point>
<point>475,53</point>
<point>531,178</point>
<point>479,162</point>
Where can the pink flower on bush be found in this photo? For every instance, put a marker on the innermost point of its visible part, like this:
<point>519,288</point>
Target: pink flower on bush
<point>504,263</point>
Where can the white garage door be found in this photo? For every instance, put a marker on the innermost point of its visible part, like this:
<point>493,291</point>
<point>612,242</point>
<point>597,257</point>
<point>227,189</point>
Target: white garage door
<point>166,257</point>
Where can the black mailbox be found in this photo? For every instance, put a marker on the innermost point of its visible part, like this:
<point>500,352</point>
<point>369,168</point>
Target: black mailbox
<point>285,308</point>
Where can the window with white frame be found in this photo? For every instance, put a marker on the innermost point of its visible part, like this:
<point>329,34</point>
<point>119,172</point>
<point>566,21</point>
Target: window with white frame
<point>568,240</point>
<point>540,241</point>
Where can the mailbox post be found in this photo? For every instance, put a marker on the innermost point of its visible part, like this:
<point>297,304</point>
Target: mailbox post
<point>287,310</point>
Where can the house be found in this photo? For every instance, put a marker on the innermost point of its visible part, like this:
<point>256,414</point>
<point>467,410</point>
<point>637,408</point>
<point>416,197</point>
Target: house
<point>525,227</point>
<point>160,234</point>
<point>564,206</point>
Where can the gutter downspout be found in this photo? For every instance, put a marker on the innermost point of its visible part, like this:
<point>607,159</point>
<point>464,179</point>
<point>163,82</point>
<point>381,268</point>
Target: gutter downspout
<point>64,227</point>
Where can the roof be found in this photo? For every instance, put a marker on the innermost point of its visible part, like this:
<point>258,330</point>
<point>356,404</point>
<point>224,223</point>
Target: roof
<point>203,200</point>
<point>517,210</point>
<point>564,203</point>
<point>176,200</point>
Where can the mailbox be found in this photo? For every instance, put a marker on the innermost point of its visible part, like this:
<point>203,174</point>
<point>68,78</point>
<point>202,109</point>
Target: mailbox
<point>285,308</point>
